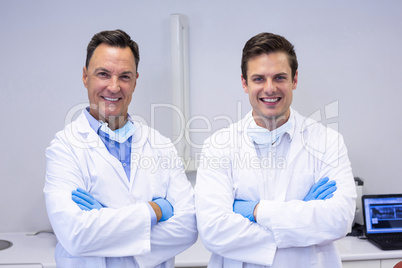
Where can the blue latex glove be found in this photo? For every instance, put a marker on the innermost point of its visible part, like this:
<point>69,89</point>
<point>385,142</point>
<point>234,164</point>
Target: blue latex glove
<point>166,208</point>
<point>245,208</point>
<point>322,190</point>
<point>85,200</point>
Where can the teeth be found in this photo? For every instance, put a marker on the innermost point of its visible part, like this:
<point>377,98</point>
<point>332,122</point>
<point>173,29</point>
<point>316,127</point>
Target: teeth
<point>270,100</point>
<point>111,99</point>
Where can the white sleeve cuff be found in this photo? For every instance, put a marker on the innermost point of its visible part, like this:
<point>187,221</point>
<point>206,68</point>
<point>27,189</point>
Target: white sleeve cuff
<point>264,212</point>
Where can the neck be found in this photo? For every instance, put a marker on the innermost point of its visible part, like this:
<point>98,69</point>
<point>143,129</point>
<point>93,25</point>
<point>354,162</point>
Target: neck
<point>271,123</point>
<point>114,122</point>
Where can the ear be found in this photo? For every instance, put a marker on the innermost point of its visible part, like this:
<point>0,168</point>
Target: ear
<point>295,80</point>
<point>244,84</point>
<point>135,80</point>
<point>85,76</point>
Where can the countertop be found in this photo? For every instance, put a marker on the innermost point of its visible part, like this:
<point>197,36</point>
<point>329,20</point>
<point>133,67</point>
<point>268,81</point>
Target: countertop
<point>350,249</point>
<point>29,249</point>
<point>39,249</point>
<point>354,249</point>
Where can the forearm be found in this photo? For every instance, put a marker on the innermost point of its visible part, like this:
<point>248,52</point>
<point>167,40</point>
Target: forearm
<point>224,232</point>
<point>228,234</point>
<point>157,210</point>
<point>118,231</point>
<point>170,237</point>
<point>97,232</point>
<point>300,223</point>
<point>255,212</point>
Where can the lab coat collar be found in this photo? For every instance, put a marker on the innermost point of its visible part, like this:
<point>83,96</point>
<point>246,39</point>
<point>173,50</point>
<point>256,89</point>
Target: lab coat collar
<point>90,137</point>
<point>97,124</point>
<point>296,133</point>
<point>87,138</point>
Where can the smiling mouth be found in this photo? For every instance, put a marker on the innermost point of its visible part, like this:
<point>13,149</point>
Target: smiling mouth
<point>111,99</point>
<point>270,100</point>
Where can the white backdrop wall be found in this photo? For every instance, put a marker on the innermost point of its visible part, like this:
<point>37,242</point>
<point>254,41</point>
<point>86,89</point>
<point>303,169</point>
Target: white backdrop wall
<point>349,56</point>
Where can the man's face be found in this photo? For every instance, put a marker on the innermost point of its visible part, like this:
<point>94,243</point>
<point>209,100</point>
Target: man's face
<point>270,88</point>
<point>111,78</point>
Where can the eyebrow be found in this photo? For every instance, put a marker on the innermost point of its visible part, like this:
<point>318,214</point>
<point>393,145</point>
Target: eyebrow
<point>262,75</point>
<point>127,72</point>
<point>286,74</point>
<point>101,69</point>
<point>107,71</point>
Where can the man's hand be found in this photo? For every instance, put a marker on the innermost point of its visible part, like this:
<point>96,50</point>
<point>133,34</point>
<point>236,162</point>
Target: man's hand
<point>163,209</point>
<point>322,190</point>
<point>85,200</point>
<point>245,208</point>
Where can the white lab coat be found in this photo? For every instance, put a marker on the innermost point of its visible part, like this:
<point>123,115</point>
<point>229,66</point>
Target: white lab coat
<point>77,157</point>
<point>289,232</point>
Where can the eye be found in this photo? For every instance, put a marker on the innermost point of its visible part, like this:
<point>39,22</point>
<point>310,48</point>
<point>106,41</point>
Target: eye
<point>103,74</point>
<point>125,77</point>
<point>281,77</point>
<point>258,79</point>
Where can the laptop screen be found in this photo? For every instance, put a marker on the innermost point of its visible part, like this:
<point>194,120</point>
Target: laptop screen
<point>383,213</point>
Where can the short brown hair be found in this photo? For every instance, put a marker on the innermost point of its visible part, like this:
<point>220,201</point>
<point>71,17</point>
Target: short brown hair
<point>116,38</point>
<point>266,43</point>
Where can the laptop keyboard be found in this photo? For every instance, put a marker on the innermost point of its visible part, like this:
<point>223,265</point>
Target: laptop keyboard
<point>389,239</point>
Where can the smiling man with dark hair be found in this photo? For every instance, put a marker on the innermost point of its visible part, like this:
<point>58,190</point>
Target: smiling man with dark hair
<point>285,191</point>
<point>106,209</point>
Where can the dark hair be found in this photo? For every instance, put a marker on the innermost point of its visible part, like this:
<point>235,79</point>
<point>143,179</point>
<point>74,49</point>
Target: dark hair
<point>265,43</point>
<point>116,38</point>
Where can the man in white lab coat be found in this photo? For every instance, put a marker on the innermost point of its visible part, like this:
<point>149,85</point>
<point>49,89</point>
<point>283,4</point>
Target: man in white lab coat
<point>275,189</point>
<point>116,193</point>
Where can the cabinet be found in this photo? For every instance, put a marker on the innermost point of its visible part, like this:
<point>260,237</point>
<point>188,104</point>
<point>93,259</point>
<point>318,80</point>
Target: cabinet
<point>390,263</point>
<point>354,252</point>
<point>21,266</point>
<point>38,252</point>
<point>362,264</point>
<point>357,253</point>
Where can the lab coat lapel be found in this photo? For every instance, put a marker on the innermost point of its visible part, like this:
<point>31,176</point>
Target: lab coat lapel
<point>93,142</point>
<point>295,149</point>
<point>297,140</point>
<point>249,152</point>
<point>139,138</point>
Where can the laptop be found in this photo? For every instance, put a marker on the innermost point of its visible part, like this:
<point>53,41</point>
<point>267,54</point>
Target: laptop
<point>382,216</point>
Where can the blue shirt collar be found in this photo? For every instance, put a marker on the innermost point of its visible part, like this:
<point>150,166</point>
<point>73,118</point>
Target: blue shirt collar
<point>95,124</point>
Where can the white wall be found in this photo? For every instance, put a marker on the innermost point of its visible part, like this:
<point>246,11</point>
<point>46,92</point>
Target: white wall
<point>349,53</point>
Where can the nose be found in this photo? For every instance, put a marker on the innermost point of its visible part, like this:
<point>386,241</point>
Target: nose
<point>269,87</point>
<point>114,85</point>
